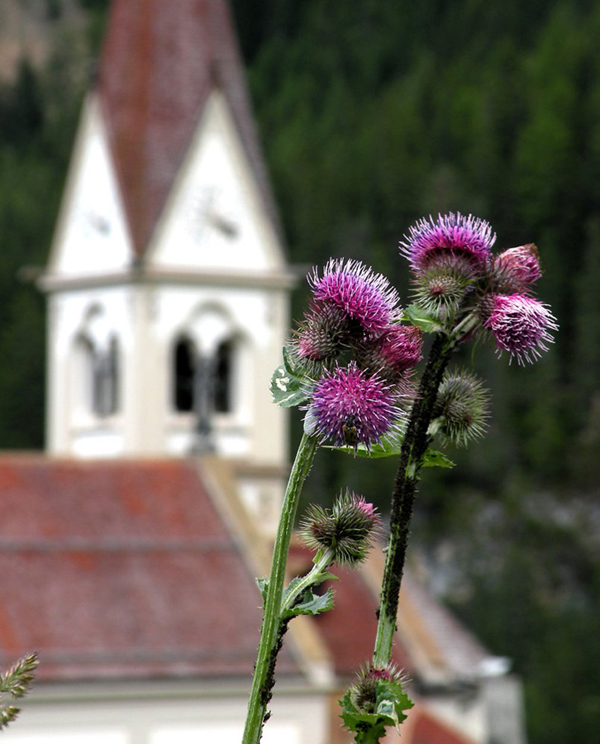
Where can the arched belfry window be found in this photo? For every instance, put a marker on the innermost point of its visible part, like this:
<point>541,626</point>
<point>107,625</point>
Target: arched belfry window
<point>96,368</point>
<point>207,374</point>
<point>106,379</point>
<point>82,384</point>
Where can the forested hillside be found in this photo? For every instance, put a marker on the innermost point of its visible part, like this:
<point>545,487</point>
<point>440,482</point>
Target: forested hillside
<point>372,114</point>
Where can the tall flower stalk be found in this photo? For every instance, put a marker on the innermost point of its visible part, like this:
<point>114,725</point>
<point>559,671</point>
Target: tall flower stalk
<point>347,406</point>
<point>414,447</point>
<point>274,625</point>
<point>350,368</point>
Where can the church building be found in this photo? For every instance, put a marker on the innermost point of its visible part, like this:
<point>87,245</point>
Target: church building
<point>129,549</point>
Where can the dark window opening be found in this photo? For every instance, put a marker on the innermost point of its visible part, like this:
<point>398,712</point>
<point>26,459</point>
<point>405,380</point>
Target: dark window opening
<point>105,380</point>
<point>223,378</point>
<point>184,376</point>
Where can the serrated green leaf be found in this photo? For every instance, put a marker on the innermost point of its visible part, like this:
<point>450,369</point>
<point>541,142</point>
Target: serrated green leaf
<point>390,693</point>
<point>422,319</point>
<point>289,364</point>
<point>328,577</point>
<point>263,586</point>
<point>391,702</point>
<point>375,452</point>
<point>287,389</point>
<point>312,604</point>
<point>434,459</point>
<point>386,708</point>
<point>368,727</point>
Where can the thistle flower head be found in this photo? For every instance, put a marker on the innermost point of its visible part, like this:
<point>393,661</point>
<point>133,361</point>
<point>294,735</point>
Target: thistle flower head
<point>364,692</point>
<point>451,235</point>
<point>397,351</point>
<point>367,298</point>
<point>348,529</point>
<point>351,407</point>
<point>521,326</point>
<point>515,269</point>
<point>461,407</point>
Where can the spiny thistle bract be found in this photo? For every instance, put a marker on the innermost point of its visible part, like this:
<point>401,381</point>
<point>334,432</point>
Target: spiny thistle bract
<point>521,326</point>
<point>351,407</point>
<point>323,334</point>
<point>452,235</point>
<point>348,529</point>
<point>461,409</point>
<point>441,288</point>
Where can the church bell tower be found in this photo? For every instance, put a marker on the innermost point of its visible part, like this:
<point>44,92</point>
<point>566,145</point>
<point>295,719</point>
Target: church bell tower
<point>167,281</point>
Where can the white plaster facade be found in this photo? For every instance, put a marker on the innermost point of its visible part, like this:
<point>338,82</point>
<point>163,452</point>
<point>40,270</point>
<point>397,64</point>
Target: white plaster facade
<point>155,713</point>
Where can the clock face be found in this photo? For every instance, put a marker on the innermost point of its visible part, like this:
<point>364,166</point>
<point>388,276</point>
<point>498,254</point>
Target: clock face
<point>211,213</point>
<point>95,224</point>
<point>99,223</point>
<point>198,208</point>
<point>223,222</point>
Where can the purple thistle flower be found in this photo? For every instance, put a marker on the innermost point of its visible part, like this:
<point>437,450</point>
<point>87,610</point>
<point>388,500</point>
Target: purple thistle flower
<point>366,297</point>
<point>350,407</point>
<point>400,348</point>
<point>521,326</point>
<point>463,238</point>
<point>395,353</point>
<point>517,268</point>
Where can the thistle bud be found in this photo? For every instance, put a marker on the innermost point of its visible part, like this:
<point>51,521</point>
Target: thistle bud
<point>347,529</point>
<point>442,287</point>
<point>516,269</point>
<point>461,408</point>
<point>364,692</point>
<point>322,334</point>
<point>397,351</point>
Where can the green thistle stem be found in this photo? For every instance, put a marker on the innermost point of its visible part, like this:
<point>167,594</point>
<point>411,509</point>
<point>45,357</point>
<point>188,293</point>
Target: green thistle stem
<point>413,450</point>
<point>273,627</point>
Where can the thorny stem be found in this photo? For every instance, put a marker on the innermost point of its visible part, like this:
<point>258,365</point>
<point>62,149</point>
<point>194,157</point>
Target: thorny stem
<point>413,450</point>
<point>273,627</point>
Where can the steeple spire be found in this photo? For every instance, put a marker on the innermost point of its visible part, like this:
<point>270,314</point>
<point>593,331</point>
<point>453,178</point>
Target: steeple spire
<point>159,64</point>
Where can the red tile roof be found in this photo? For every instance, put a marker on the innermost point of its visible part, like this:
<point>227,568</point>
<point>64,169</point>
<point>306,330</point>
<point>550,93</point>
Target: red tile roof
<point>429,730</point>
<point>349,630</point>
<point>122,569</point>
<point>160,61</point>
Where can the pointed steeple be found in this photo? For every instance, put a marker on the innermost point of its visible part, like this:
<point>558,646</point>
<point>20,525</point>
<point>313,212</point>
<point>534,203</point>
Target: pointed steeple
<point>160,62</point>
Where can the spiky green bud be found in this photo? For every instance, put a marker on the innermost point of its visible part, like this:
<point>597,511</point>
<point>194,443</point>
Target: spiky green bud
<point>441,288</point>
<point>347,529</point>
<point>461,409</point>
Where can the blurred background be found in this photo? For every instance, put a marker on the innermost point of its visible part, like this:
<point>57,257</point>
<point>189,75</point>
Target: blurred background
<point>373,114</point>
